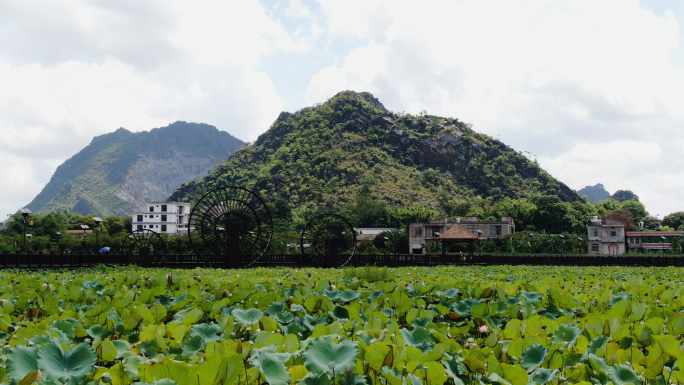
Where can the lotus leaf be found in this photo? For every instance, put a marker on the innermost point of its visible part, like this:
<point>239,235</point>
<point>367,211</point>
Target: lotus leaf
<point>321,355</point>
<point>56,363</point>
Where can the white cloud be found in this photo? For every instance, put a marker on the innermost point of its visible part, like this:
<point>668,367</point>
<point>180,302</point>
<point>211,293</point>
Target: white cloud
<point>71,71</point>
<point>543,75</point>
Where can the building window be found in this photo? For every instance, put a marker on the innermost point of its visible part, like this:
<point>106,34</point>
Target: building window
<point>180,210</point>
<point>595,247</point>
<point>594,232</point>
<point>139,227</point>
<point>163,208</point>
<point>473,229</point>
<point>419,231</point>
<point>163,218</point>
<point>613,233</point>
<point>435,232</point>
<point>163,228</point>
<point>140,218</point>
<point>144,226</point>
<point>636,240</point>
<point>151,208</point>
<point>495,230</point>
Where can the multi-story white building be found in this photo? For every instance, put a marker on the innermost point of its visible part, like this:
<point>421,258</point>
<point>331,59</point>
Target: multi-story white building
<point>163,217</point>
<point>606,237</point>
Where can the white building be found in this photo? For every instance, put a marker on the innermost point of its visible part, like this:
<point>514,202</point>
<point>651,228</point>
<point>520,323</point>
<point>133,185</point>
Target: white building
<point>163,217</point>
<point>606,237</point>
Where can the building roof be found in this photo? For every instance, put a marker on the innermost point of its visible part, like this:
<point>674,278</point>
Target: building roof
<point>457,232</point>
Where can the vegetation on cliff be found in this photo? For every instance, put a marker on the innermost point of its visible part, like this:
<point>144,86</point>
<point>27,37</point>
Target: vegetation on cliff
<point>117,170</point>
<point>383,168</point>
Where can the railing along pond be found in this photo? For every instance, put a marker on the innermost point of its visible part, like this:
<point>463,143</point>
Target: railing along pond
<point>81,260</point>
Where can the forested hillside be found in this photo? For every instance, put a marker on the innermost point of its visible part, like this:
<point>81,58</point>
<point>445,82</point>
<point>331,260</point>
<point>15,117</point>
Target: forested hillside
<point>352,154</point>
<point>119,171</point>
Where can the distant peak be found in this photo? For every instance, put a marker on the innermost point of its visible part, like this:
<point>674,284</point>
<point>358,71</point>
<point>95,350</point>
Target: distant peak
<point>363,96</point>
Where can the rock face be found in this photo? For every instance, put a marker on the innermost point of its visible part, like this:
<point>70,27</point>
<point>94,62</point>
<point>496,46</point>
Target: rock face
<point>118,172</point>
<point>321,157</point>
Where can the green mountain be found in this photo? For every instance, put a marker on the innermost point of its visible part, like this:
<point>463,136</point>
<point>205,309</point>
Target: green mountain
<point>351,147</point>
<point>595,193</point>
<point>118,172</point>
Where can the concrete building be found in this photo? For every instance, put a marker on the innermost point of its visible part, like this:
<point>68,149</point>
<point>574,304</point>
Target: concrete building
<point>163,217</point>
<point>651,240</point>
<point>368,233</point>
<point>422,234</point>
<point>606,237</point>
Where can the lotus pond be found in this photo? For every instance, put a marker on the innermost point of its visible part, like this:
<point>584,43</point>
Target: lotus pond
<point>456,325</point>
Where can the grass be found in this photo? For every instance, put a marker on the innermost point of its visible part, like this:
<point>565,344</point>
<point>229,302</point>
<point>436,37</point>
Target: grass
<point>368,273</point>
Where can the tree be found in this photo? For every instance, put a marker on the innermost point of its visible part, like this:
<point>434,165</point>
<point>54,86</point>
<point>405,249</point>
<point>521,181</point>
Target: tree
<point>674,220</point>
<point>625,195</point>
<point>651,223</point>
<point>637,209</point>
<point>552,215</point>
<point>624,216</point>
<point>114,224</point>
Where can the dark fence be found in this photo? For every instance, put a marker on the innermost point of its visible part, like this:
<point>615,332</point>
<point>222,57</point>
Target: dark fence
<point>80,260</point>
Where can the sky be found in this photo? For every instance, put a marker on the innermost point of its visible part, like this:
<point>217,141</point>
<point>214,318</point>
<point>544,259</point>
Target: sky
<point>592,89</point>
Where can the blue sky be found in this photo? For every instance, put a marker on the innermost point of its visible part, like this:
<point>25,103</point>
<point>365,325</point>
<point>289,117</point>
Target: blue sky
<point>593,89</point>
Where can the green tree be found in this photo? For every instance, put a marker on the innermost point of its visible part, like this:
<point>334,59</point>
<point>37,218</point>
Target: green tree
<point>651,223</point>
<point>625,195</point>
<point>674,220</point>
<point>637,209</point>
<point>114,224</point>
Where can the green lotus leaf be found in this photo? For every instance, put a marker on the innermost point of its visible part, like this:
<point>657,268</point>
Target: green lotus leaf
<point>192,346</point>
<point>422,322</point>
<point>474,365</point>
<point>449,293</point>
<point>617,299</point>
<point>285,317</point>
<point>56,363</point>
<point>97,331</point>
<point>321,355</point>
<point>247,317</point>
<point>623,374</point>
<point>21,360</point>
<point>566,333</point>
<point>352,379</point>
<point>542,376</point>
<point>533,357</point>
<point>165,381</point>
<point>420,338</point>
<point>106,351</point>
<point>654,365</point>
<point>531,296</point>
<point>275,308</point>
<point>308,322</point>
<point>340,313</point>
<point>626,343</point>
<point>333,295</point>
<point>149,348</point>
<point>121,347</point>
<point>65,327</point>
<point>375,294</point>
<point>274,370</point>
<point>596,344</point>
<point>643,334</point>
<point>315,379</point>
<point>454,369</point>
<point>209,332</point>
<point>349,295</point>
<point>514,374</point>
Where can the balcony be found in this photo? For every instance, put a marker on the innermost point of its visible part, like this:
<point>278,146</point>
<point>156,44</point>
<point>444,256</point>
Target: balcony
<point>617,239</point>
